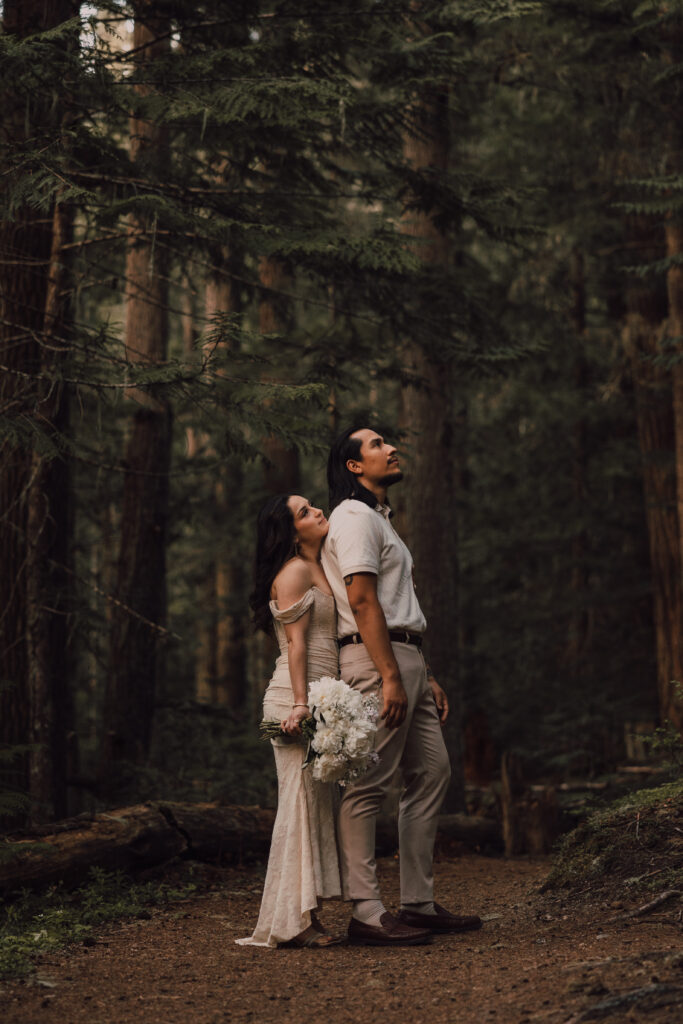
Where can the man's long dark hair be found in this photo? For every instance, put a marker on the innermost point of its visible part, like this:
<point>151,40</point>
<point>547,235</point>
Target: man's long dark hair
<point>340,480</point>
<point>275,538</point>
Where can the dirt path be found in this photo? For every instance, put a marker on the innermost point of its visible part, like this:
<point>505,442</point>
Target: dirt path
<point>533,961</point>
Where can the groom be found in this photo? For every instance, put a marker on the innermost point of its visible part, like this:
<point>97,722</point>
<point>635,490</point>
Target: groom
<point>380,627</point>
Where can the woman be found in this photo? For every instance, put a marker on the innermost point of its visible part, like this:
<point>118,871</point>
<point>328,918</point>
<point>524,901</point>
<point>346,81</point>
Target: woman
<point>292,592</point>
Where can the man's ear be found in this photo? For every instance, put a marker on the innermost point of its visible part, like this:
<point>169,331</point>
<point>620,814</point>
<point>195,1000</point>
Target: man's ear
<point>354,467</point>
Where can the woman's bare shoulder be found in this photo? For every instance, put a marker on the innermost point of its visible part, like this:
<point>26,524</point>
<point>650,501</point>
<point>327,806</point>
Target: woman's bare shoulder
<point>292,581</point>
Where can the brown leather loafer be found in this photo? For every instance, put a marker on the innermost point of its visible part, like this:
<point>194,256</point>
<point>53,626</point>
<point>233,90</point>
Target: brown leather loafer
<point>442,921</point>
<point>391,932</point>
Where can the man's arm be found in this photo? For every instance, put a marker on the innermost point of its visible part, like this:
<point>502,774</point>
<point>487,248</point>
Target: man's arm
<point>439,695</point>
<point>367,611</point>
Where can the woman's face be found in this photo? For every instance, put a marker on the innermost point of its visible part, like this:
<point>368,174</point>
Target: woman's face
<point>310,523</point>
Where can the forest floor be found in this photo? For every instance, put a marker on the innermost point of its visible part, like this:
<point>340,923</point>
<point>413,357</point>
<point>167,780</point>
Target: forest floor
<point>547,959</point>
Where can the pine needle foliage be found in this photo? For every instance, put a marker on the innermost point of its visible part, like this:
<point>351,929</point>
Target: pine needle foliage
<point>287,125</point>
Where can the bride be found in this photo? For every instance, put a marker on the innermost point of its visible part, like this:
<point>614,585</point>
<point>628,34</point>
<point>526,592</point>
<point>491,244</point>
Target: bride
<point>291,594</point>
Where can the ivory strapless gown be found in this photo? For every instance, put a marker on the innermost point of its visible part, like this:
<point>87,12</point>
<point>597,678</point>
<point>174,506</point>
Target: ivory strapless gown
<point>303,865</point>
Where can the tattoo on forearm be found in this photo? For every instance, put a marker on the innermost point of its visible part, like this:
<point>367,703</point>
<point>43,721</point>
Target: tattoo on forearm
<point>348,580</point>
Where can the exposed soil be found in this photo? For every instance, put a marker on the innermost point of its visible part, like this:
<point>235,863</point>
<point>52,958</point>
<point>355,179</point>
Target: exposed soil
<point>541,959</point>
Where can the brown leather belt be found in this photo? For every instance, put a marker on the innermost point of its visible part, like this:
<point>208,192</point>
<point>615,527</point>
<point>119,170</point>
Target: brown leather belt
<point>397,636</point>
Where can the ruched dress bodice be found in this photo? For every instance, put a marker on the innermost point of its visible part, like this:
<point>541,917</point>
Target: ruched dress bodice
<point>321,648</point>
<point>303,866</point>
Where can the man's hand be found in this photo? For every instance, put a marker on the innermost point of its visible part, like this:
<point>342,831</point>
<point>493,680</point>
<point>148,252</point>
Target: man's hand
<point>440,698</point>
<point>395,703</point>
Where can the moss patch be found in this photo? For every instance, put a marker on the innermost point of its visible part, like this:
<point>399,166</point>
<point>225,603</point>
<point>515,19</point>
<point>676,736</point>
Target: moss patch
<point>635,842</point>
<point>34,923</point>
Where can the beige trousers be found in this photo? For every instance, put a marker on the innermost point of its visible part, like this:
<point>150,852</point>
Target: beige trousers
<point>418,749</point>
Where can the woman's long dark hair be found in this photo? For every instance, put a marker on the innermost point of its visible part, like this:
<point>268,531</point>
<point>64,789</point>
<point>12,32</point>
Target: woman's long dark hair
<point>275,538</point>
<point>340,480</point>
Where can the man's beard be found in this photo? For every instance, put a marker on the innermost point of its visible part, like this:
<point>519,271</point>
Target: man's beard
<point>390,478</point>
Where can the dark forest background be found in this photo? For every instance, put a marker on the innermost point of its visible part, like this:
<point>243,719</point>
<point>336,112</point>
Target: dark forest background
<point>227,231</point>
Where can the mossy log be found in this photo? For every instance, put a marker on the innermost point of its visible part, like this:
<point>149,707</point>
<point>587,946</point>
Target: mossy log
<point>133,839</point>
<point>149,835</point>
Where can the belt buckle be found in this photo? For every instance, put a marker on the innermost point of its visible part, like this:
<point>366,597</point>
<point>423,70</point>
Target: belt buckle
<point>407,639</point>
<point>355,639</point>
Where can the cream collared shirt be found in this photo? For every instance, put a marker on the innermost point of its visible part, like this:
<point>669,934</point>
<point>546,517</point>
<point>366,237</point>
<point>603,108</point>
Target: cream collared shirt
<point>362,539</point>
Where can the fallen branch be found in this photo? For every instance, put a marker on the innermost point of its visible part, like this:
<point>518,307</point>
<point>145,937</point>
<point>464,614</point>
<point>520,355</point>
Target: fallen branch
<point>647,907</point>
<point>637,958</point>
<point>650,997</point>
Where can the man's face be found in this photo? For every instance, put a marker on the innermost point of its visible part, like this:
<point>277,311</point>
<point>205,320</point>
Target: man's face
<point>379,461</point>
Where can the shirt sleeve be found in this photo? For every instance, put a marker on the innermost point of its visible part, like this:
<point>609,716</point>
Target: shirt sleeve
<point>358,541</point>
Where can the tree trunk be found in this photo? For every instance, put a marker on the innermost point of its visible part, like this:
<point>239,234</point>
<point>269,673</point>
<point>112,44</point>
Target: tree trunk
<point>48,557</point>
<point>221,652</point>
<point>577,637</point>
<point>281,472</point>
<point>672,704</point>
<point>652,384</point>
<point>137,639</point>
<point>530,815</point>
<point>231,663</point>
<point>33,493</point>
<point>427,416</point>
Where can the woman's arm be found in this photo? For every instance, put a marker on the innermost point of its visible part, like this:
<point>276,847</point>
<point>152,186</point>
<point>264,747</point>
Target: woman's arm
<point>290,586</point>
<point>297,657</point>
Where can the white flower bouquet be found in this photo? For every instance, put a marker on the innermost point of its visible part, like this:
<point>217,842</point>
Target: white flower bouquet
<point>340,732</point>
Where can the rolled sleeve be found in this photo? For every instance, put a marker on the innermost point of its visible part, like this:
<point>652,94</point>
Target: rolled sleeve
<point>358,541</point>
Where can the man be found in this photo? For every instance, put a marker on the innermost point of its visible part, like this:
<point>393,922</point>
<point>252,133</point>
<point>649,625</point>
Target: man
<point>380,627</point>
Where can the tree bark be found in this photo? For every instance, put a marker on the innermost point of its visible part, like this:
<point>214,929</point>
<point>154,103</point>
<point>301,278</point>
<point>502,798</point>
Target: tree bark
<point>48,556</point>
<point>578,632</point>
<point>642,332</point>
<point>281,471</point>
<point>427,417</point>
<point>33,489</point>
<point>530,816</point>
<point>672,702</point>
<point>230,682</point>
<point>137,641</point>
<point>227,574</point>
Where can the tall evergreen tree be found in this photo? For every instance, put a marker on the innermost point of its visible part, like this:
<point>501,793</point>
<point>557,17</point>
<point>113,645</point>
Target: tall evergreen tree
<point>428,403</point>
<point>34,521</point>
<point>136,640</point>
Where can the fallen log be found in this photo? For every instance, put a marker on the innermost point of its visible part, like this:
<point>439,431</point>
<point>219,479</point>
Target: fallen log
<point>130,838</point>
<point>149,835</point>
<point>133,839</point>
<point>478,832</point>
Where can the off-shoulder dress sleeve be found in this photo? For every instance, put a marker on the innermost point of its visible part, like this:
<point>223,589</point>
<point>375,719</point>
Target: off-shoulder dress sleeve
<point>295,611</point>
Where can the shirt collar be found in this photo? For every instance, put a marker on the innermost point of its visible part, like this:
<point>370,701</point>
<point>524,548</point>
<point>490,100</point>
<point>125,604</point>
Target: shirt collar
<point>369,499</point>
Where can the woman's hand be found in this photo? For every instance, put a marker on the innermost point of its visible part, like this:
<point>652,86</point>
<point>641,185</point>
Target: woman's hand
<point>292,725</point>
